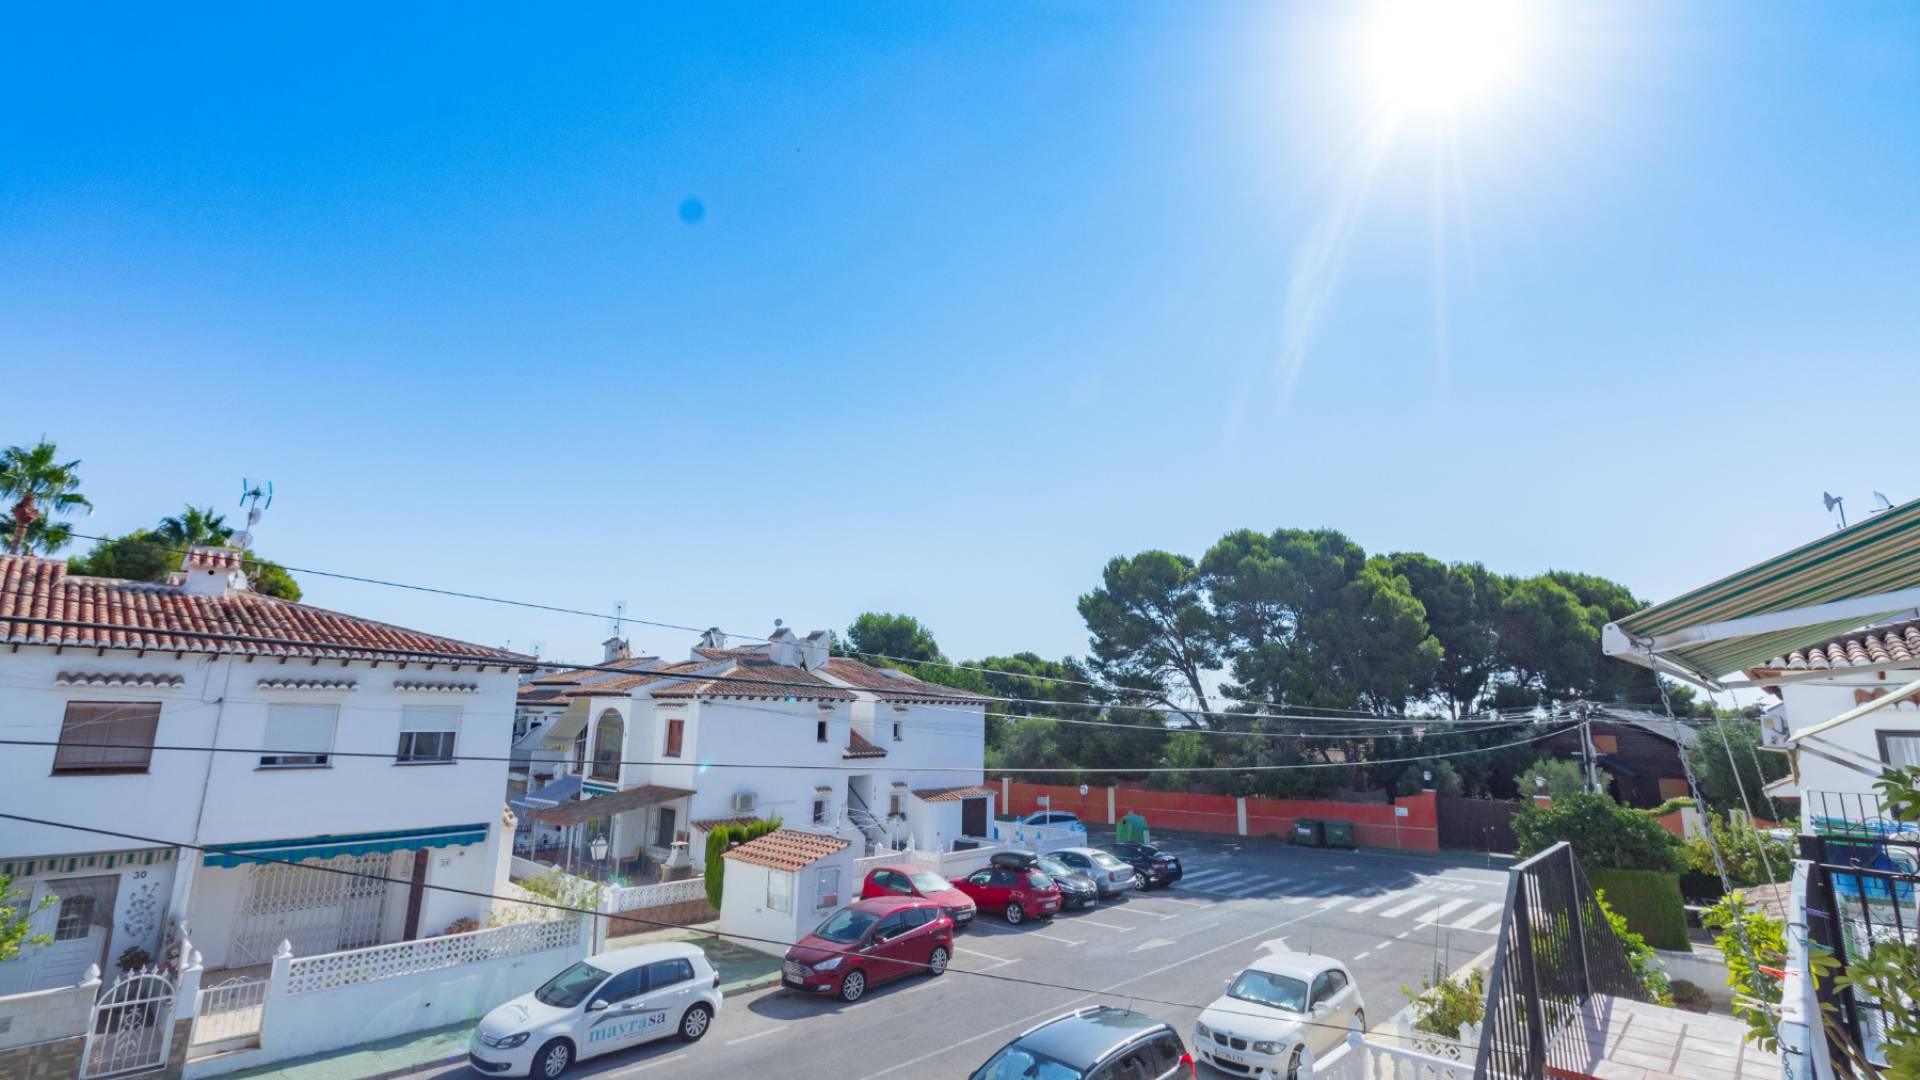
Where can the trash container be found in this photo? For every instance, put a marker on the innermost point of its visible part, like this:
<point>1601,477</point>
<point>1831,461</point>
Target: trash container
<point>1338,833</point>
<point>1309,832</point>
<point>1131,829</point>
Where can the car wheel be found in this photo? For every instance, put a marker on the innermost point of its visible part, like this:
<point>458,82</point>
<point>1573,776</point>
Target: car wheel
<point>1016,914</point>
<point>1293,1063</point>
<point>553,1059</point>
<point>1360,1020</point>
<point>937,961</point>
<point>853,986</point>
<point>695,1023</point>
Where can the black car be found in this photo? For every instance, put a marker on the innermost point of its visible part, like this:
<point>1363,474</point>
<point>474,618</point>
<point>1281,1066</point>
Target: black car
<point>1098,1040</point>
<point>1155,866</point>
<point>1077,890</point>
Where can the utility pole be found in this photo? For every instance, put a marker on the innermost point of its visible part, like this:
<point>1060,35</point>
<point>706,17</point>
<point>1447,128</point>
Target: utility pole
<point>1586,746</point>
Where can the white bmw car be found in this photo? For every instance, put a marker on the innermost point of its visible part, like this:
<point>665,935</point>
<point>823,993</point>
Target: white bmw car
<point>607,1002</point>
<point>1282,1007</point>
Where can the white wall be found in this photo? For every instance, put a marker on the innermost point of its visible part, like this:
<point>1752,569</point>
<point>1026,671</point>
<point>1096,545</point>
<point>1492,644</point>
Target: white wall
<point>743,901</point>
<point>45,1015</point>
<point>1809,703</point>
<point>140,910</point>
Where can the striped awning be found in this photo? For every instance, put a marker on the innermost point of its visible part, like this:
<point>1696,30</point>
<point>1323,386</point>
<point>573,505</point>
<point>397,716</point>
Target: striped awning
<point>1865,573</point>
<point>329,847</point>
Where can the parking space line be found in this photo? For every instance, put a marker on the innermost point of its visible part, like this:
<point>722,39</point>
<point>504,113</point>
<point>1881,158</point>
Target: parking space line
<point>1068,942</point>
<point>1102,925</point>
<point>756,1035</point>
<point>1129,909</point>
<point>645,1065</point>
<point>1178,900</point>
<point>981,955</point>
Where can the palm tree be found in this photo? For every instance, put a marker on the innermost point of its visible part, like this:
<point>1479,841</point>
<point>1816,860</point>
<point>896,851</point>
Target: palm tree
<point>39,484</point>
<point>194,527</point>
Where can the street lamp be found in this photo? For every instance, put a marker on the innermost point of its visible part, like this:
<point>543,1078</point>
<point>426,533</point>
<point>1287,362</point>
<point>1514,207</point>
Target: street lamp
<point>598,847</point>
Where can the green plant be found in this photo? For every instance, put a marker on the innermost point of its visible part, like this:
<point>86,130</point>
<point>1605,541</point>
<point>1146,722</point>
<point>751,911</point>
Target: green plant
<point>1687,995</point>
<point>1563,777</point>
<point>1750,941</point>
<point>133,958</point>
<point>1602,833</point>
<point>719,840</point>
<point>16,919</point>
<point>1650,902</point>
<point>1443,1007</point>
<point>1890,972</point>
<point>1678,802</point>
<point>1751,857</point>
<point>1640,958</point>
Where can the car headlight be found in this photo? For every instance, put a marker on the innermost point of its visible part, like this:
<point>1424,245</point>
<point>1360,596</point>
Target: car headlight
<point>828,964</point>
<point>1268,1047</point>
<point>1201,1031</point>
<point>512,1041</point>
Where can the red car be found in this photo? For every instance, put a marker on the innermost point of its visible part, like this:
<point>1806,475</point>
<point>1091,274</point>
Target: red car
<point>868,942</point>
<point>1019,894</point>
<point>921,882</point>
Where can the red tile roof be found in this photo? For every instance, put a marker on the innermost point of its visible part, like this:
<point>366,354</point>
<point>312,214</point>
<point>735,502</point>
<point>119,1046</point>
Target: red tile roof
<point>621,685</point>
<point>786,849</point>
<point>752,677</point>
<point>897,686</point>
<point>40,604</point>
<point>954,794</point>
<point>859,747</point>
<point>574,676</point>
<point>1894,644</point>
<point>712,823</point>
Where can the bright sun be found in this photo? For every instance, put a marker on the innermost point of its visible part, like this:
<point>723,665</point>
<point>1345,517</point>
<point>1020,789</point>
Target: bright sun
<point>1439,55</point>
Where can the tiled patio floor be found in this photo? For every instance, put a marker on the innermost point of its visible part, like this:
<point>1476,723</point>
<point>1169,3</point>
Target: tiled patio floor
<point>1620,1039</point>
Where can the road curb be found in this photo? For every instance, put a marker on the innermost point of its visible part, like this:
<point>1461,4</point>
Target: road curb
<point>744,985</point>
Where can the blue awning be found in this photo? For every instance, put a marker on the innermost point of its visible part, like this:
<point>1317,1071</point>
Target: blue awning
<point>331,847</point>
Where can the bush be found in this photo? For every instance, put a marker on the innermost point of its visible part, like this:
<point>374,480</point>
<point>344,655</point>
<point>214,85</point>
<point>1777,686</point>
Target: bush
<point>1602,834</point>
<point>1668,807</point>
<point>1654,985</point>
<point>1650,901</point>
<point>1564,777</point>
<point>1441,1008</point>
<point>1741,846</point>
<point>719,840</point>
<point>1688,995</point>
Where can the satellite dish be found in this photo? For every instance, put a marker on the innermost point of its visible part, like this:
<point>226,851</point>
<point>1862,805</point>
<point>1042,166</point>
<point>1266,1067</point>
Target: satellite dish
<point>1885,503</point>
<point>1835,502</point>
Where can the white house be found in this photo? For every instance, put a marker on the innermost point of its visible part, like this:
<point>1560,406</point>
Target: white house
<point>781,885</point>
<point>334,742</point>
<point>780,730</point>
<point>1834,765</point>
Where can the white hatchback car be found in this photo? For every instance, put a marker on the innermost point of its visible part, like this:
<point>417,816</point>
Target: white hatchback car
<point>1282,1004</point>
<point>607,1002</point>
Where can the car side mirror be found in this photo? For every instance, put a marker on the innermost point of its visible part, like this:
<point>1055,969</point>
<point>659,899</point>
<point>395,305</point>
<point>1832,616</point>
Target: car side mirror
<point>597,1005</point>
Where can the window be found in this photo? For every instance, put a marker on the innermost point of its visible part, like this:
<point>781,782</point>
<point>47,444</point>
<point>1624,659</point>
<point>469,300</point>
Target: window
<point>1165,1051</point>
<point>897,803</point>
<point>1898,748</point>
<point>107,737</point>
<point>780,890</point>
<point>580,752</point>
<point>819,811</point>
<point>609,737</point>
<point>827,889</point>
<point>75,917</point>
<point>897,726</point>
<point>1607,744</point>
<point>623,986</point>
<point>676,731</point>
<point>84,903</point>
<point>663,826</point>
<point>891,927</point>
<point>427,733</point>
<point>663,973</point>
<point>298,736</point>
<point>820,731</point>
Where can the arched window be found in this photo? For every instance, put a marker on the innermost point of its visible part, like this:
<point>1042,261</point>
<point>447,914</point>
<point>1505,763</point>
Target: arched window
<point>580,752</point>
<point>609,737</point>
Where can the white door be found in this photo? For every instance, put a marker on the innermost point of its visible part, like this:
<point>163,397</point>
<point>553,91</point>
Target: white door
<point>79,920</point>
<point>1329,1028</point>
<point>620,1024</point>
<point>670,988</point>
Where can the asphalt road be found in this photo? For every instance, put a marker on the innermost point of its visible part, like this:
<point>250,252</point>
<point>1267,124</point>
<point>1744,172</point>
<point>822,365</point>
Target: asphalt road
<point>1392,918</point>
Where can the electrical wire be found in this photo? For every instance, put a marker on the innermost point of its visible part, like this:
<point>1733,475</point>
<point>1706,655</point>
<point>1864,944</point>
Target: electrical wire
<point>659,924</point>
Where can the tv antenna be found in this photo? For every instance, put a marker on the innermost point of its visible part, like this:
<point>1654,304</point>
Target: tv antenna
<point>257,499</point>
<point>1886,504</point>
<point>1835,503</point>
<point>619,616</point>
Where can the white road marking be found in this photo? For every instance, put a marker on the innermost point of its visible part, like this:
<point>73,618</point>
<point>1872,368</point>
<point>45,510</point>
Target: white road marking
<point>1068,942</point>
<point>1363,954</point>
<point>1130,909</point>
<point>1402,934</point>
<point>756,1035</point>
<point>1321,890</point>
<point>645,1065</point>
<point>1263,884</point>
<point>1398,910</point>
<point>1436,914</point>
<point>1479,914</point>
<point>1219,885</point>
<point>1379,897</point>
<point>1102,925</point>
<point>1202,875</point>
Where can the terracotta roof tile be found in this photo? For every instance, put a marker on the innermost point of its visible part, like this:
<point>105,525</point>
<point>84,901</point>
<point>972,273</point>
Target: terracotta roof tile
<point>621,685</point>
<point>775,681</point>
<point>786,849</point>
<point>859,747</point>
<point>1891,645</point>
<point>575,676</point>
<point>712,823</point>
<point>955,794</point>
<point>890,685</point>
<point>38,599</point>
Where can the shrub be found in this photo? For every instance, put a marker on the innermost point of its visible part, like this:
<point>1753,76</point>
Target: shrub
<point>1441,1008</point>
<point>1688,995</point>
<point>1564,777</point>
<point>719,840</point>
<point>1756,994</point>
<point>462,926</point>
<point>1676,803</point>
<point>1741,846</point>
<point>1654,985</point>
<point>1602,833</point>
<point>1650,902</point>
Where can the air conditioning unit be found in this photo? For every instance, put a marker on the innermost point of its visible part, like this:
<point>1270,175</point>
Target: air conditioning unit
<point>743,802</point>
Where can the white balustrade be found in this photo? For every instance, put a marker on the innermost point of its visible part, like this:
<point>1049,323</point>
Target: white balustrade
<point>331,970</point>
<point>634,897</point>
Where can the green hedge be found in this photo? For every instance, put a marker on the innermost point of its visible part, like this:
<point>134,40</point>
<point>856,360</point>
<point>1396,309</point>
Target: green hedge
<point>1650,900</point>
<point>719,840</point>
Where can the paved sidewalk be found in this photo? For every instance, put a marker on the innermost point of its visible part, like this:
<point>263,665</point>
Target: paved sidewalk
<point>741,969</point>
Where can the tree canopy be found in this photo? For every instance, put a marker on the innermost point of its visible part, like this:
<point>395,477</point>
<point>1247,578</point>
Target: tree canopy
<point>40,487</point>
<point>152,554</point>
<point>1604,833</point>
<point>895,637</point>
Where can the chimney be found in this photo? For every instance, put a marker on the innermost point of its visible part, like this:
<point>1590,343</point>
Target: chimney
<point>815,651</point>
<point>616,648</point>
<point>210,571</point>
<point>782,647</point>
<point>713,639</point>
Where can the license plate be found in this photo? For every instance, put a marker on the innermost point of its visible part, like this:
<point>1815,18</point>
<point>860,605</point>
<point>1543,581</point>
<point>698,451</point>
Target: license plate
<point>795,980</point>
<point>1227,1055</point>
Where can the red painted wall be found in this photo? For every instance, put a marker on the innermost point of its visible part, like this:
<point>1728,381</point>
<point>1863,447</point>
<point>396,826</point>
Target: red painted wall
<point>1375,825</point>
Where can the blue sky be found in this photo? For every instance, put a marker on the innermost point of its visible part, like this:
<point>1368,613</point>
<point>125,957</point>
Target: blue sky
<point>976,296</point>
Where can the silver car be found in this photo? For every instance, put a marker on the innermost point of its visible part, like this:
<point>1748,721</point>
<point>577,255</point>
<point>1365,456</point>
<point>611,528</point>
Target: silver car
<point>1111,875</point>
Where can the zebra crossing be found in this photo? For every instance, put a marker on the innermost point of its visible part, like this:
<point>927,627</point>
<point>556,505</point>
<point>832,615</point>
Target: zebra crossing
<point>1422,906</point>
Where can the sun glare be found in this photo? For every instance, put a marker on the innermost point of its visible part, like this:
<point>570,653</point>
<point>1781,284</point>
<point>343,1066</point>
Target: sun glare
<point>1440,55</point>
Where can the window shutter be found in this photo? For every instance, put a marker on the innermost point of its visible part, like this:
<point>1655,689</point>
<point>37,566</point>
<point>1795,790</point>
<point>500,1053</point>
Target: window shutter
<point>107,736</point>
<point>294,730</point>
<point>430,718</point>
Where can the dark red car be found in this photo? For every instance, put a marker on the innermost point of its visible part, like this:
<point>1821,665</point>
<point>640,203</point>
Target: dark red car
<point>922,882</point>
<point>868,942</point>
<point>1018,894</point>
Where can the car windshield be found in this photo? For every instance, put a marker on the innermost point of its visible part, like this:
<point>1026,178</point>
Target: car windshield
<point>1038,880</point>
<point>1055,867</point>
<point>847,926</point>
<point>1019,1063</point>
<point>570,987</point>
<point>1106,861</point>
<point>927,881</point>
<point>1274,991</point>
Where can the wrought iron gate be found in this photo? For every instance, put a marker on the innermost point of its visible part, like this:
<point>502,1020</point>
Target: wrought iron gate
<point>315,906</point>
<point>131,1029</point>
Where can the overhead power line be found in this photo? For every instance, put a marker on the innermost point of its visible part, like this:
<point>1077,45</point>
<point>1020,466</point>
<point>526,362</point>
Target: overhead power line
<point>659,924</point>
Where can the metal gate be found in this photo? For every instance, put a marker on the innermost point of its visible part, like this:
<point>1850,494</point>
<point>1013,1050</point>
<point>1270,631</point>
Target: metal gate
<point>1477,824</point>
<point>132,1027</point>
<point>318,906</point>
<point>229,1012</point>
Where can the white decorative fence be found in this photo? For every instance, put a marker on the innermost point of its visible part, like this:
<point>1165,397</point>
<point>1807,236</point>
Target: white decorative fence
<point>634,897</point>
<point>1360,1058</point>
<point>229,1012</point>
<point>1464,1046</point>
<point>334,970</point>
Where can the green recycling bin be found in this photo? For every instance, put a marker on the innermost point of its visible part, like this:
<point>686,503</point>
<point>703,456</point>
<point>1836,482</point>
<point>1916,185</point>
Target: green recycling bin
<point>1131,829</point>
<point>1309,832</point>
<point>1338,833</point>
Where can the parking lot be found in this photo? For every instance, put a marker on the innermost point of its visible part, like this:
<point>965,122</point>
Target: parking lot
<point>1392,918</point>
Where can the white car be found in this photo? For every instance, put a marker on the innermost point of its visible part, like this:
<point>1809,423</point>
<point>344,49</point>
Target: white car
<point>607,1002</point>
<point>1056,818</point>
<point>1282,1004</point>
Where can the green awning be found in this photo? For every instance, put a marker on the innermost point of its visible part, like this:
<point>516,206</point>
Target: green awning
<point>329,847</point>
<point>1865,573</point>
